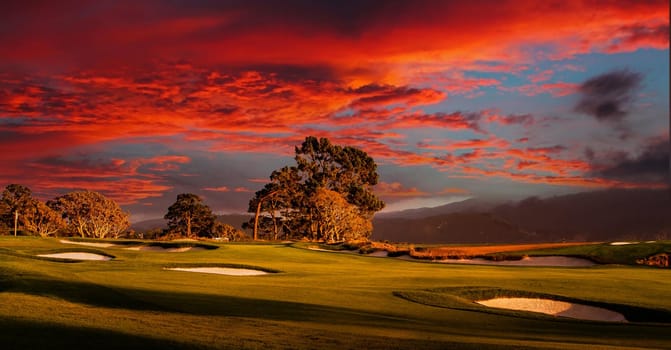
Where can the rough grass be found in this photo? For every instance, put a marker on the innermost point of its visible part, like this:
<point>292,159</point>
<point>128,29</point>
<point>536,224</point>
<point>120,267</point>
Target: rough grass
<point>320,300</point>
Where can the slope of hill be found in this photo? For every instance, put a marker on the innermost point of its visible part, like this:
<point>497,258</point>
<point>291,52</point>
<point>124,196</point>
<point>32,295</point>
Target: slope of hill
<point>588,216</point>
<point>449,228</point>
<point>466,206</point>
<point>234,220</point>
<point>599,215</point>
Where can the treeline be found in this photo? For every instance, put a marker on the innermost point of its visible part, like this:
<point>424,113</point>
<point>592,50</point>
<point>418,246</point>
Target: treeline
<point>83,213</point>
<point>326,196</point>
<point>92,215</point>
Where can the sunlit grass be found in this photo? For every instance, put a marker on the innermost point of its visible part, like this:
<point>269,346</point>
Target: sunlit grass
<point>318,300</point>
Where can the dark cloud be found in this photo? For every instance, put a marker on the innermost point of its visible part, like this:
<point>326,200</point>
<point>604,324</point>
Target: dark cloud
<point>650,166</point>
<point>376,95</point>
<point>607,97</point>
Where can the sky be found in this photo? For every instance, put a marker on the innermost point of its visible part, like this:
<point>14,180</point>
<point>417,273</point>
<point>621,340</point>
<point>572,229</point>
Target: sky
<point>143,100</point>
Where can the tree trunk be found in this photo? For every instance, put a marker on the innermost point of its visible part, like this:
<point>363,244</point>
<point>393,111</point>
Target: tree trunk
<point>188,226</point>
<point>256,220</point>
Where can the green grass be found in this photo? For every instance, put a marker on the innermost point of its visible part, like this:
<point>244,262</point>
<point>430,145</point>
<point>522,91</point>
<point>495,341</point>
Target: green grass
<point>319,300</point>
<point>603,253</point>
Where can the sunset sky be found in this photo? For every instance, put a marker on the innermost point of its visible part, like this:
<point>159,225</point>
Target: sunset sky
<point>143,100</point>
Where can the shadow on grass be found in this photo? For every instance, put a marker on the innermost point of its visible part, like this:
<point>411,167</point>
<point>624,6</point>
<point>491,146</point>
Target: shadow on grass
<point>273,310</point>
<point>185,302</point>
<point>22,334</point>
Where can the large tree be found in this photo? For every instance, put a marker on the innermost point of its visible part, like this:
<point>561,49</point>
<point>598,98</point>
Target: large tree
<point>15,201</point>
<point>287,205</point>
<point>42,220</point>
<point>189,216</point>
<point>90,214</point>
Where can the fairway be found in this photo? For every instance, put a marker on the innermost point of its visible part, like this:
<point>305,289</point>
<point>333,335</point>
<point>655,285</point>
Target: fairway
<point>312,300</point>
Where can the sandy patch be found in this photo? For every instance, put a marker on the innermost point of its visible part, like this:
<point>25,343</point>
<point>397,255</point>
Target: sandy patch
<point>550,261</point>
<point>76,256</point>
<point>623,243</point>
<point>221,271</point>
<point>167,250</point>
<point>90,244</point>
<point>555,308</point>
<point>379,253</point>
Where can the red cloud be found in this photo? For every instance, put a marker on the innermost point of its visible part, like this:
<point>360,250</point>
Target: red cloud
<point>126,181</point>
<point>541,76</point>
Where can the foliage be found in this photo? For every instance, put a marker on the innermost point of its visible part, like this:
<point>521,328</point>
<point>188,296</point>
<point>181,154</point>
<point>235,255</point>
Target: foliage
<point>190,217</point>
<point>16,199</point>
<point>33,215</point>
<point>227,232</point>
<point>287,207</point>
<point>90,214</point>
<point>42,220</point>
<point>339,219</point>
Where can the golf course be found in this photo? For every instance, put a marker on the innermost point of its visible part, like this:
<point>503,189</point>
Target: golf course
<point>142,295</point>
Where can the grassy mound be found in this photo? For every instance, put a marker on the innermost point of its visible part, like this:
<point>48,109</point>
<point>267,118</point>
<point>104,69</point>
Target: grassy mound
<point>630,254</point>
<point>463,298</point>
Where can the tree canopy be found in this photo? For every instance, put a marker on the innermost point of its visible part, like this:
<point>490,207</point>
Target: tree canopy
<point>90,214</point>
<point>32,215</point>
<point>301,200</point>
<point>190,217</point>
<point>16,199</point>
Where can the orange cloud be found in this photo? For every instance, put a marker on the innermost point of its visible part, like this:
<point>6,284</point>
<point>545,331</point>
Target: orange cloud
<point>396,189</point>
<point>217,189</point>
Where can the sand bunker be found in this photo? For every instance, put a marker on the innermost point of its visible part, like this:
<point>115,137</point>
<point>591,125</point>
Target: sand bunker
<point>76,256</point>
<point>90,244</point>
<point>623,243</point>
<point>161,249</point>
<point>550,261</point>
<point>379,253</point>
<point>555,308</point>
<point>221,271</point>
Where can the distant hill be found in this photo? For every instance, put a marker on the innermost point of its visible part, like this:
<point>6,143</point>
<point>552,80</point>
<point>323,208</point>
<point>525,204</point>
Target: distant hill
<point>449,228</point>
<point>234,220</point>
<point>588,216</point>
<point>600,215</point>
<point>466,206</point>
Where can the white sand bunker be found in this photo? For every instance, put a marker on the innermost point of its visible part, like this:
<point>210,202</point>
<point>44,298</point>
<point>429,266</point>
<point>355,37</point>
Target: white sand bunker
<point>623,243</point>
<point>221,271</point>
<point>76,256</point>
<point>90,244</point>
<point>548,261</point>
<point>161,249</point>
<point>555,308</point>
